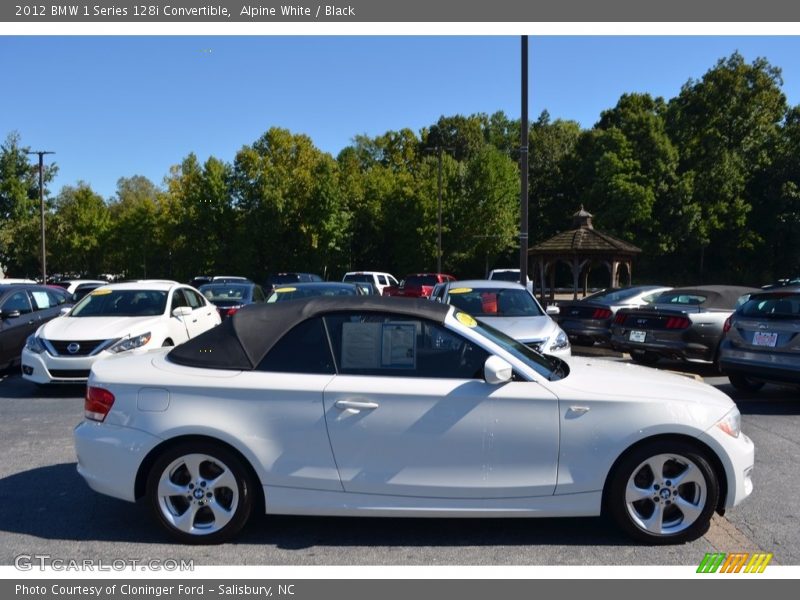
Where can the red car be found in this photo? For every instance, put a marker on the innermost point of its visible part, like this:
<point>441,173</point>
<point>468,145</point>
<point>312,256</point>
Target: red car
<point>417,285</point>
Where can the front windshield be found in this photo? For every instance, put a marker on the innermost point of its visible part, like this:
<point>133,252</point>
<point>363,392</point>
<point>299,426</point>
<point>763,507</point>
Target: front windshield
<point>549,367</point>
<point>495,302</point>
<point>121,303</point>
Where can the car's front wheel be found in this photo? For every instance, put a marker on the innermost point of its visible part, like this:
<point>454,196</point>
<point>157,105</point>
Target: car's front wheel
<point>663,492</point>
<point>744,384</point>
<point>200,492</point>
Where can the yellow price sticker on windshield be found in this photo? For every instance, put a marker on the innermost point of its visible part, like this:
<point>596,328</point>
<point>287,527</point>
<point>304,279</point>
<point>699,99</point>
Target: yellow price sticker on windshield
<point>100,292</point>
<point>461,290</point>
<point>284,290</point>
<point>465,319</point>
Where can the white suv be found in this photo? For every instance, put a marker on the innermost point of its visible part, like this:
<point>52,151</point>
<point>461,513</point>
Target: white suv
<point>122,317</point>
<point>378,279</point>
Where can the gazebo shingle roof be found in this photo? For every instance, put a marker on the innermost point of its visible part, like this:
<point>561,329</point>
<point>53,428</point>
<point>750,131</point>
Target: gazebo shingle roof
<point>583,240</point>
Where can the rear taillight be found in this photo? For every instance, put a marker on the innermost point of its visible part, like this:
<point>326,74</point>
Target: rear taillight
<point>619,319</point>
<point>98,403</point>
<point>678,323</point>
<point>601,313</point>
<point>232,311</point>
<point>727,326</point>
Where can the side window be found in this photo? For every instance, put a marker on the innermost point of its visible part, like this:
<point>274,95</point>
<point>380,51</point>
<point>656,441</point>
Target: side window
<point>56,298</point>
<point>382,280</point>
<point>258,294</point>
<point>17,301</point>
<point>304,349</point>
<point>41,300</point>
<point>195,300</point>
<point>400,346</point>
<point>178,299</point>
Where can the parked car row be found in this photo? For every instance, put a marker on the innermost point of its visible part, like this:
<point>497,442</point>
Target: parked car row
<point>752,335</point>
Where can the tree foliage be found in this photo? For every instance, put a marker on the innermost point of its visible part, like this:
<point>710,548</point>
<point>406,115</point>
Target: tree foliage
<point>706,183</point>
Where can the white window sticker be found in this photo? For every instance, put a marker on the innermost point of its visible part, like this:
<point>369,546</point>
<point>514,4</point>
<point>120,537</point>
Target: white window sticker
<point>42,301</point>
<point>399,345</point>
<point>361,345</point>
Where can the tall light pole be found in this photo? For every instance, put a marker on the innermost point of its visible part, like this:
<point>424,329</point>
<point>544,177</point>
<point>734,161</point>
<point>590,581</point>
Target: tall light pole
<point>41,154</point>
<point>523,168</point>
<point>438,149</point>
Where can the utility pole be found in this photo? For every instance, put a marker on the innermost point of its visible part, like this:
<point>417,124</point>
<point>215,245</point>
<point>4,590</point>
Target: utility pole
<point>439,149</point>
<point>439,236</point>
<point>523,168</point>
<point>41,154</point>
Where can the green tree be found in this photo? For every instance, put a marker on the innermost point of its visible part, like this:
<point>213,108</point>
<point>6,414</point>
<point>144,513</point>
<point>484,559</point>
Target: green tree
<point>20,233</point>
<point>78,231</point>
<point>724,126</point>
<point>135,237</point>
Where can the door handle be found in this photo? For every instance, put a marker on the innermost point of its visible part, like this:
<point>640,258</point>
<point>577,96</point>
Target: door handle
<point>31,322</point>
<point>194,320</point>
<point>355,406</point>
<point>579,410</point>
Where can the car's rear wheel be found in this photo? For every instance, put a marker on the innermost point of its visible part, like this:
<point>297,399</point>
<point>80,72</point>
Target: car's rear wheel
<point>200,492</point>
<point>645,357</point>
<point>583,340</point>
<point>743,383</point>
<point>663,492</point>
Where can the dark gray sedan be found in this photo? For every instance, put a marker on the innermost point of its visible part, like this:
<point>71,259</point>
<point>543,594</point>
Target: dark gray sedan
<point>23,308</point>
<point>589,320</point>
<point>762,341</point>
<point>683,323</point>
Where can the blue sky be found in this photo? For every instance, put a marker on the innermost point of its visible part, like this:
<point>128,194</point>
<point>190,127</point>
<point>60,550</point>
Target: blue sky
<point>116,107</point>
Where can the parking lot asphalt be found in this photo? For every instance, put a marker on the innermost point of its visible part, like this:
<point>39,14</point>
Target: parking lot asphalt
<point>47,508</point>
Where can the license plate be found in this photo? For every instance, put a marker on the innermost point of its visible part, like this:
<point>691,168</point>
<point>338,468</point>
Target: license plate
<point>761,338</point>
<point>637,336</point>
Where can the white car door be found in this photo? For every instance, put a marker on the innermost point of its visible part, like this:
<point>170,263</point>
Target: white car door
<point>409,414</point>
<point>204,314</point>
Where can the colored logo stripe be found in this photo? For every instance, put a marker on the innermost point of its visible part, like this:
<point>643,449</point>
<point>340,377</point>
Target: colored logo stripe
<point>734,563</point>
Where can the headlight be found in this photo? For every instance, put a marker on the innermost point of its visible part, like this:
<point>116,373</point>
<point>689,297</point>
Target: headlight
<point>561,342</point>
<point>130,343</point>
<point>34,344</point>
<point>731,423</point>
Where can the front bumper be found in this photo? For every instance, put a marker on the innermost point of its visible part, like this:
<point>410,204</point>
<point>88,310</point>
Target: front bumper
<point>737,456</point>
<point>44,368</point>
<point>109,457</point>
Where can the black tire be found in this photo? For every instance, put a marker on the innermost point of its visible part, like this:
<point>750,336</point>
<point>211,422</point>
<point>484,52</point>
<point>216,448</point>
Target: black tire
<point>583,340</point>
<point>744,383</point>
<point>167,342</point>
<point>645,357</point>
<point>686,508</point>
<point>233,506</point>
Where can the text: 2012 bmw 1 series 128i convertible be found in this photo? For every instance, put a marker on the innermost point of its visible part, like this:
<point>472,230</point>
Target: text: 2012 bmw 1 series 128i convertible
<point>398,407</point>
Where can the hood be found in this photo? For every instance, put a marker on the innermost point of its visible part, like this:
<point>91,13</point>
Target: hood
<point>625,380</point>
<point>70,329</point>
<point>523,329</point>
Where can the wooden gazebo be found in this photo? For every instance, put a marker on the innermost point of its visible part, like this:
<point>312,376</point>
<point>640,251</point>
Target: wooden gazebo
<point>582,248</point>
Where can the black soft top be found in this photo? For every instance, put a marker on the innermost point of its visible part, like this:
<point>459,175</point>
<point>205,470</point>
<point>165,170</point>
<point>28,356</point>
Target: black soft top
<point>717,296</point>
<point>242,341</point>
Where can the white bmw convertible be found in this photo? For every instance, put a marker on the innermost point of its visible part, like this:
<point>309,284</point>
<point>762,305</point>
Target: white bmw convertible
<point>396,407</point>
